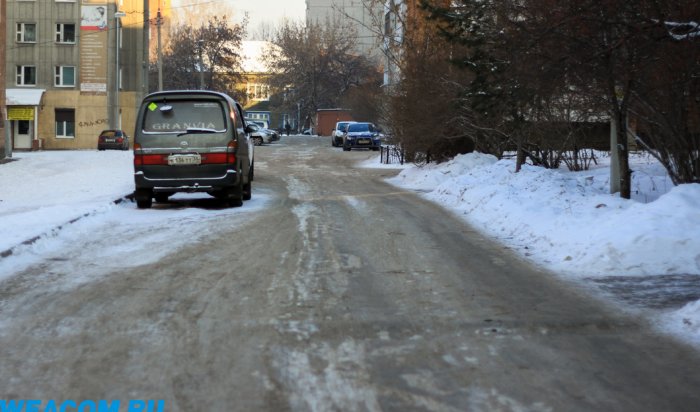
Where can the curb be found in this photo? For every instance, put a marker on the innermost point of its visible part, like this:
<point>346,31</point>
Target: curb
<point>11,251</point>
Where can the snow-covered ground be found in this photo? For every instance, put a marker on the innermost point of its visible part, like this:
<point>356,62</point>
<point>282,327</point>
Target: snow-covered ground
<point>69,208</point>
<point>642,250</point>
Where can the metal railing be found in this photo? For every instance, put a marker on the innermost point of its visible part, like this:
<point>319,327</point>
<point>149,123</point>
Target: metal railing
<point>391,155</point>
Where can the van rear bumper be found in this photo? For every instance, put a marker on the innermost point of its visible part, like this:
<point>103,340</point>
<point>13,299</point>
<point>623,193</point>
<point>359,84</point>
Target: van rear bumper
<point>200,184</point>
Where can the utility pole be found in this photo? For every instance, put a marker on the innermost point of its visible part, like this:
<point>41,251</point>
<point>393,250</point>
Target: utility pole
<point>146,54</point>
<point>159,22</point>
<point>117,73</point>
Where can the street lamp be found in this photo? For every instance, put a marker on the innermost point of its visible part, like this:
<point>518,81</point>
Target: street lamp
<point>117,74</point>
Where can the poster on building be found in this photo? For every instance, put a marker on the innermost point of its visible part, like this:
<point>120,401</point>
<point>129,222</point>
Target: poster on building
<point>20,113</point>
<point>94,36</point>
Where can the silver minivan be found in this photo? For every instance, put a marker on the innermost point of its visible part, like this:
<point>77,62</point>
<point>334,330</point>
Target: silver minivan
<point>192,141</point>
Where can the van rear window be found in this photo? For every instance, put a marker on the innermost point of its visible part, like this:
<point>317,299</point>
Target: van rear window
<point>180,115</point>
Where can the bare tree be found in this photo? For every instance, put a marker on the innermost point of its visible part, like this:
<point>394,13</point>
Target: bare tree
<point>315,66</point>
<point>205,57</point>
<point>264,32</point>
<point>529,57</point>
<point>666,106</point>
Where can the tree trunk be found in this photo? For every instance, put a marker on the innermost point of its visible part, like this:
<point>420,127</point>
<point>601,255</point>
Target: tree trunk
<point>520,155</point>
<point>623,155</point>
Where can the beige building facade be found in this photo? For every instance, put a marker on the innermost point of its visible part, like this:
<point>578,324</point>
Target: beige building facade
<point>73,68</point>
<point>4,149</point>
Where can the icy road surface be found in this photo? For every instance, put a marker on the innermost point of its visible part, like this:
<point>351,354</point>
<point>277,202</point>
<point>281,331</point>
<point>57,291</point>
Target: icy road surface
<point>330,290</point>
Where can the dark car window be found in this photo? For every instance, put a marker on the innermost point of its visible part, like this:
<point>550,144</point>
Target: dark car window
<point>178,116</point>
<point>360,127</point>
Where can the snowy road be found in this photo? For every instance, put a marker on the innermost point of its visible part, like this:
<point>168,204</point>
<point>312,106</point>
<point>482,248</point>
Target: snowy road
<point>330,290</point>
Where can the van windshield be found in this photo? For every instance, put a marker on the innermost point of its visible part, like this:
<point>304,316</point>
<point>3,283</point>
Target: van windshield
<point>180,115</point>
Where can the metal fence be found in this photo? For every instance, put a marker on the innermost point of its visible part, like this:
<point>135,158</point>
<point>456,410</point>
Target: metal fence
<point>391,155</point>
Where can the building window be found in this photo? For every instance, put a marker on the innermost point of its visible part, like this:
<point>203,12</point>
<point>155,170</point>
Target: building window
<point>26,75</point>
<point>65,123</point>
<point>65,33</point>
<point>26,32</point>
<point>257,91</point>
<point>64,76</point>
<point>388,26</point>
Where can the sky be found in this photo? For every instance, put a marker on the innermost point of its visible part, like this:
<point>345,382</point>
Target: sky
<point>639,255</point>
<point>259,11</point>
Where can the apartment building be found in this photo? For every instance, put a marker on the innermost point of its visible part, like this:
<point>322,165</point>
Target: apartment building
<point>73,68</point>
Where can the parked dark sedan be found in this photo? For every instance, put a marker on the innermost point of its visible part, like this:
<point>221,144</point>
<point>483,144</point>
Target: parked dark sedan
<point>113,139</point>
<point>361,135</point>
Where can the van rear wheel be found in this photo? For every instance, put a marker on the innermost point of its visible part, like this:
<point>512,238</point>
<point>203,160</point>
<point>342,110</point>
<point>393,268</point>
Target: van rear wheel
<point>235,201</point>
<point>247,191</point>
<point>235,195</point>
<point>248,187</point>
<point>144,198</point>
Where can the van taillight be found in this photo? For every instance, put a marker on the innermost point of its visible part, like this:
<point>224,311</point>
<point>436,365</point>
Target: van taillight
<point>214,158</point>
<point>137,158</point>
<point>148,159</point>
<point>154,159</point>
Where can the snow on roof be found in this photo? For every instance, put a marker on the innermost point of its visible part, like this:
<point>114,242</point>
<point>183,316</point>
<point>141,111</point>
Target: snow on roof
<point>254,56</point>
<point>23,97</point>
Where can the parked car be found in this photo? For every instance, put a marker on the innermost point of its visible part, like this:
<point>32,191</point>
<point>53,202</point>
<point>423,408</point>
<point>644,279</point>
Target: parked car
<point>113,139</point>
<point>274,135</point>
<point>338,132</point>
<point>259,135</point>
<point>362,135</point>
<point>192,141</point>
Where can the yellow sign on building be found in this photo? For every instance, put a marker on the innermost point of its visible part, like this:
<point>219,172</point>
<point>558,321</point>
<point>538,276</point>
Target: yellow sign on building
<point>20,113</point>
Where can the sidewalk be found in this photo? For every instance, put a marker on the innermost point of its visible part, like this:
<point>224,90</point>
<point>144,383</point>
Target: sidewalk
<point>40,191</point>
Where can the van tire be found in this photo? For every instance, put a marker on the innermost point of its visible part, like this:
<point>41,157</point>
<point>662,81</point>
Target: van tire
<point>247,191</point>
<point>235,201</point>
<point>236,195</point>
<point>144,198</point>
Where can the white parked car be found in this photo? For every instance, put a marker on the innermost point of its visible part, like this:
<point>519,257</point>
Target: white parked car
<point>265,126</point>
<point>338,132</point>
<point>258,134</point>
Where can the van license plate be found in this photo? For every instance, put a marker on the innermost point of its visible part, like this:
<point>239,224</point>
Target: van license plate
<point>188,159</point>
